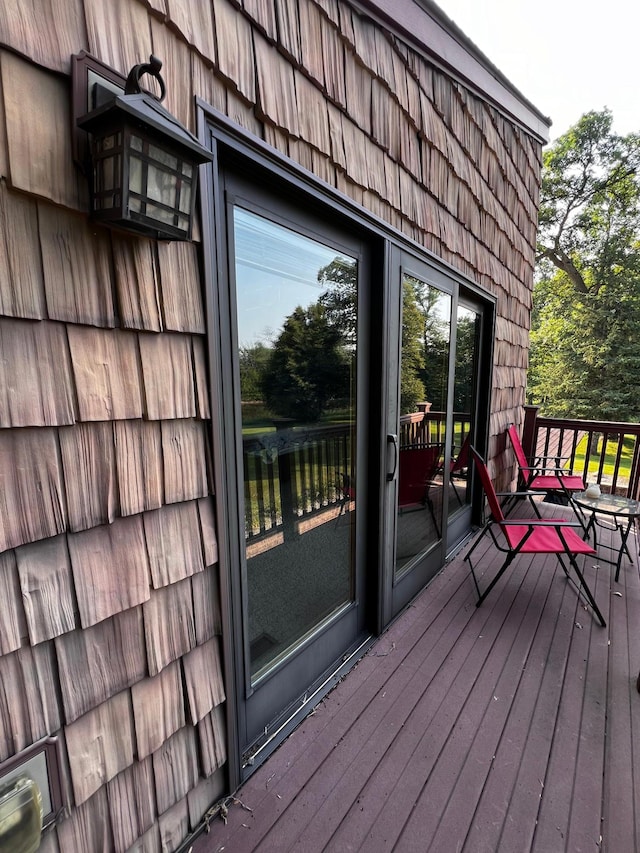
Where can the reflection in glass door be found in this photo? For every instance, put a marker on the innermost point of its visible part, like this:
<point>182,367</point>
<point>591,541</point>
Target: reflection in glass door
<point>424,372</point>
<point>296,323</point>
<point>464,406</point>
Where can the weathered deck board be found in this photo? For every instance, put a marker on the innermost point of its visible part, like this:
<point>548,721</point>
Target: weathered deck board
<point>468,729</point>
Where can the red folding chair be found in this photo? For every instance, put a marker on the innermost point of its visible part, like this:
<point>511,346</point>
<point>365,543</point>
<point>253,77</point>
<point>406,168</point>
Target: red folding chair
<point>417,467</point>
<point>530,536</point>
<point>544,478</point>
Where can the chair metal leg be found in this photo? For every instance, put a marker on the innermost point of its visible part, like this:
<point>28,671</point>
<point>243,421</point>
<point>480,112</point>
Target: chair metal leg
<point>584,588</point>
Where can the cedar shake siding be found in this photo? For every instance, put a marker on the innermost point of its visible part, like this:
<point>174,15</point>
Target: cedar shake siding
<point>111,629</point>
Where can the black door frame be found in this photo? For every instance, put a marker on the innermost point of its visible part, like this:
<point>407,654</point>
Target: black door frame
<point>232,145</point>
<point>262,710</point>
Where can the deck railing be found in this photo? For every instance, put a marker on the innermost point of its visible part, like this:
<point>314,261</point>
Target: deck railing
<point>291,473</point>
<point>294,473</point>
<point>601,452</point>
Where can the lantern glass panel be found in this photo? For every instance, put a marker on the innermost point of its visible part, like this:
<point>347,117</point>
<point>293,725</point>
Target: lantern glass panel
<point>163,157</point>
<point>161,214</point>
<point>161,185</point>
<point>107,180</point>
<point>135,175</point>
<point>107,154</point>
<point>185,198</point>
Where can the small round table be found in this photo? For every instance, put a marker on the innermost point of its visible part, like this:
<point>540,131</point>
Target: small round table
<point>623,510</point>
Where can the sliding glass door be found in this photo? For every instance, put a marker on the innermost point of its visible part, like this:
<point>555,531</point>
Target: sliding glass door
<point>298,319</point>
<point>433,385</point>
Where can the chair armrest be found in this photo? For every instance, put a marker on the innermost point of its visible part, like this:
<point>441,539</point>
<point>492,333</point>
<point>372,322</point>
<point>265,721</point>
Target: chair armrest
<point>539,522</point>
<point>553,456</point>
<point>556,470</point>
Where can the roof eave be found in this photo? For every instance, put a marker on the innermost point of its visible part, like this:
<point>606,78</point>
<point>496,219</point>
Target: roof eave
<point>423,24</point>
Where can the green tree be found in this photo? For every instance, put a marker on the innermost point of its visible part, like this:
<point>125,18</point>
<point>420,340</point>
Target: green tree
<point>340,299</point>
<point>253,363</point>
<point>308,369</point>
<point>412,390</point>
<point>584,345</point>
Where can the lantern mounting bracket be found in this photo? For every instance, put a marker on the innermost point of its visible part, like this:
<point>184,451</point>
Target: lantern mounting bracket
<point>93,84</point>
<point>153,67</point>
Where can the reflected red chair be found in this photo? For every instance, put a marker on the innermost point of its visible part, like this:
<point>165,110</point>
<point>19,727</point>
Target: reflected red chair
<point>530,536</point>
<point>459,465</point>
<point>417,468</point>
<point>543,478</point>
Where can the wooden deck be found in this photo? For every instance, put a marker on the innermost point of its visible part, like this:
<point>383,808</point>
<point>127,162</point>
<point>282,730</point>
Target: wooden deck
<point>511,727</point>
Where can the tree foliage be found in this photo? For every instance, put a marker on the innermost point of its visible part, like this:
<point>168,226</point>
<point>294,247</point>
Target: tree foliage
<point>308,368</point>
<point>412,390</point>
<point>584,342</point>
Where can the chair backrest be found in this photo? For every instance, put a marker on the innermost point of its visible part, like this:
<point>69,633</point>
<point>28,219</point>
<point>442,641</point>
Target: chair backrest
<point>487,485</point>
<point>523,462</point>
<point>416,466</point>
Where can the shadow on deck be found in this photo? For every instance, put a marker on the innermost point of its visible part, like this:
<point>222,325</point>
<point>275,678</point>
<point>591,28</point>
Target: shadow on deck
<point>511,727</point>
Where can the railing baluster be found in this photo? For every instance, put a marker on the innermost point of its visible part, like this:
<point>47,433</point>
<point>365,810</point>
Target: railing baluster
<point>595,466</point>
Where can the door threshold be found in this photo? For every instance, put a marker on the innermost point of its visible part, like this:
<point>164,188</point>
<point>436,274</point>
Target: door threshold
<point>281,728</point>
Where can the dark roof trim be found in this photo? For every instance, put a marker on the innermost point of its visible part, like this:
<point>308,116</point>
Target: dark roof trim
<point>425,26</point>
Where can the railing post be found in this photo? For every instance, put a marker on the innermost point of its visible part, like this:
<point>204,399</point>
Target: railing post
<point>285,451</point>
<point>529,431</point>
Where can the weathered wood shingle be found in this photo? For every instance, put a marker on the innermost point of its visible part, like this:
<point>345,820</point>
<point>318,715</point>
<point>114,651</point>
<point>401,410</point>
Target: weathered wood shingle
<point>158,709</point>
<point>174,825</point>
<point>100,745</point>
<point>212,735</point>
<point>185,460</point>
<point>35,374</point>
<point>88,826</point>
<point>167,375</point>
<point>28,707</point>
<point>46,32</point>
<point>175,768</point>
<point>97,663</point>
<point>174,544</point>
<point>46,582</point>
<point>136,280</point>
<point>12,618</point>
<point>169,624</point>
<point>89,466</point>
<point>110,569</point>
<point>203,678</point>
<point>106,373</point>
<point>118,32</point>
<point>206,604</point>
<point>182,307</point>
<point>139,465</point>
<point>77,269</point>
<point>21,282</point>
<point>234,49</point>
<point>132,804</point>
<point>32,504</point>
<point>39,153</point>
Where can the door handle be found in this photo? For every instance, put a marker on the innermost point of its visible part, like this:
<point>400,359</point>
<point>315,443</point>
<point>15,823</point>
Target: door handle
<point>392,438</point>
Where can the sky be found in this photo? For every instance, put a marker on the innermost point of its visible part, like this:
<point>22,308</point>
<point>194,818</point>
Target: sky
<point>567,57</point>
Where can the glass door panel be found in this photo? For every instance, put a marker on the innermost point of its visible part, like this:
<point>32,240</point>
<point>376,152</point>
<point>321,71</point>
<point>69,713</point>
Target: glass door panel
<point>424,372</point>
<point>464,405</point>
<point>297,335</point>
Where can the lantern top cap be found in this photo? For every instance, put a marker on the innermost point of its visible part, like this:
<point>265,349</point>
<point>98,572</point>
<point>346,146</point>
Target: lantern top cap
<point>145,110</point>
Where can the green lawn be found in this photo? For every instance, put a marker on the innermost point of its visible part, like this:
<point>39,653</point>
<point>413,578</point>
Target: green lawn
<point>611,454</point>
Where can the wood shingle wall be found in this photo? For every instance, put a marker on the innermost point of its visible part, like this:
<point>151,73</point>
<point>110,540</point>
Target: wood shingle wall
<point>110,624</point>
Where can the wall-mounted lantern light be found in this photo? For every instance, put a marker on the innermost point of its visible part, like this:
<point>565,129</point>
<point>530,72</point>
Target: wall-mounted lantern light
<point>144,162</point>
